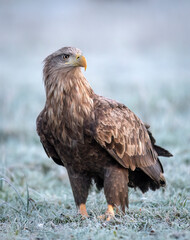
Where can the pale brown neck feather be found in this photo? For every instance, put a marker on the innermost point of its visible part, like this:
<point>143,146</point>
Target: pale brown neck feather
<point>68,97</point>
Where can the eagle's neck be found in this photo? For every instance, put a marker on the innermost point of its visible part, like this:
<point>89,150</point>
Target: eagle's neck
<point>68,99</point>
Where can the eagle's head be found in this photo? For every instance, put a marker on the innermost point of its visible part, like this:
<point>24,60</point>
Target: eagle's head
<point>65,59</point>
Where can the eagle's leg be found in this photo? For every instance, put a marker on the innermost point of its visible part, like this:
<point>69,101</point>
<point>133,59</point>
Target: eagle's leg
<point>80,184</point>
<point>115,189</point>
<point>82,210</point>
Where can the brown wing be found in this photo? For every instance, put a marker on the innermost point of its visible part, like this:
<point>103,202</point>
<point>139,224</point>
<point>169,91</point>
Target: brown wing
<point>122,134</point>
<point>42,131</point>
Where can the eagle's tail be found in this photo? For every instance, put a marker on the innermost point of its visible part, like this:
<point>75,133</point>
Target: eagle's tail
<point>162,152</point>
<point>155,172</point>
<point>147,178</point>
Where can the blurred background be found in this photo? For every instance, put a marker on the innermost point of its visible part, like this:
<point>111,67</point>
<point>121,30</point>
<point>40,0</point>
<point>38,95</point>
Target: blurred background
<point>138,52</point>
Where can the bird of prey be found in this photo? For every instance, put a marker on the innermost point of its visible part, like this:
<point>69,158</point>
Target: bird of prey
<point>95,138</point>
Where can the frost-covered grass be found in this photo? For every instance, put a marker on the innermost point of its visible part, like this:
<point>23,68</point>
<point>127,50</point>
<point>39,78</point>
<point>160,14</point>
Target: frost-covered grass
<point>140,62</point>
<point>37,202</point>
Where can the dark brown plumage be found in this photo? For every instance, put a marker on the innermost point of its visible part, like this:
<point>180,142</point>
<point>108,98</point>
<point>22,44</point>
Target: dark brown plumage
<point>95,138</point>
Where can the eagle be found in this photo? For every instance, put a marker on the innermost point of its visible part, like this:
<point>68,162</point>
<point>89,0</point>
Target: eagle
<point>97,140</point>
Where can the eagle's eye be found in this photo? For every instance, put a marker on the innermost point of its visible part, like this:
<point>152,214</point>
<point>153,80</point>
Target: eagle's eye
<point>65,56</point>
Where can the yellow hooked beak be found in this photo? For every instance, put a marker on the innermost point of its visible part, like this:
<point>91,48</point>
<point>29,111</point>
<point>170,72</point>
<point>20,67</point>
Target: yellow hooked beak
<point>81,61</point>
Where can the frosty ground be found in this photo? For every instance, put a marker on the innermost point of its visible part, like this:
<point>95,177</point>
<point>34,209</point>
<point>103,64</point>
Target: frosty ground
<point>145,66</point>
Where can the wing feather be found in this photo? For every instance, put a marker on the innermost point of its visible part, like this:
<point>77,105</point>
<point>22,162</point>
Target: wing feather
<point>122,134</point>
<point>45,138</point>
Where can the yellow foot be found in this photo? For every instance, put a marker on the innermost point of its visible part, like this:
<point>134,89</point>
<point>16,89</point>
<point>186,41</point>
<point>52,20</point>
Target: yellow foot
<point>82,211</point>
<point>102,217</point>
<point>109,215</point>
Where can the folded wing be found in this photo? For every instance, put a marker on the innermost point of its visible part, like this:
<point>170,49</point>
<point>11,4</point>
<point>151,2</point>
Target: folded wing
<point>124,136</point>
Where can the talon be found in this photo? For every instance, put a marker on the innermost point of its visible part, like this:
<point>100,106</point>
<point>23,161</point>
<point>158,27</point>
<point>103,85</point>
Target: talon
<point>82,211</point>
<point>109,219</point>
<point>102,217</point>
<point>109,215</point>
